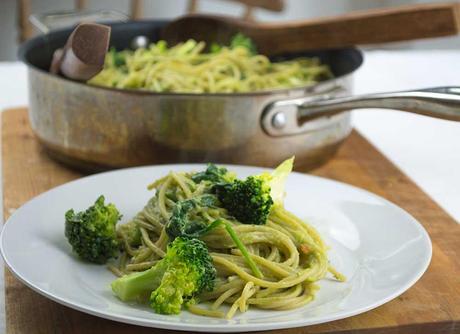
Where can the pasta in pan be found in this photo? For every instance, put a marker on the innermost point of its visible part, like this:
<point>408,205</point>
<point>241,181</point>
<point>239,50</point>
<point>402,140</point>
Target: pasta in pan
<point>188,68</point>
<point>289,253</point>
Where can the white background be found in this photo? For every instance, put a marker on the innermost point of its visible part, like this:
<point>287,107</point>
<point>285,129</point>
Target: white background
<point>294,9</point>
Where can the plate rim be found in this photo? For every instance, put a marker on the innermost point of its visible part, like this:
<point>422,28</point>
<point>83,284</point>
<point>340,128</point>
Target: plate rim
<point>230,327</point>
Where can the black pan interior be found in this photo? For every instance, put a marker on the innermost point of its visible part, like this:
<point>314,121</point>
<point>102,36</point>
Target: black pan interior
<point>39,50</point>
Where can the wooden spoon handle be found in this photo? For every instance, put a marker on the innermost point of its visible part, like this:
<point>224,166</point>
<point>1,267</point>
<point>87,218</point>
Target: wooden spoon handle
<point>82,57</point>
<point>363,27</point>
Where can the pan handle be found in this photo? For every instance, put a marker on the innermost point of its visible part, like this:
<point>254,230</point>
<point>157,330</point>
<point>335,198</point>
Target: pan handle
<point>45,22</point>
<point>289,117</point>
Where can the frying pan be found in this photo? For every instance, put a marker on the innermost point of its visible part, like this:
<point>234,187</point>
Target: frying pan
<point>95,128</point>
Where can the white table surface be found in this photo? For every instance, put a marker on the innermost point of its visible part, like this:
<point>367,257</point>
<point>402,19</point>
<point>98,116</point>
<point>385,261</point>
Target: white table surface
<point>425,149</point>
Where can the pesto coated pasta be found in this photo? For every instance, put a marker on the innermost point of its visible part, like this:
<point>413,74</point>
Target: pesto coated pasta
<point>289,253</point>
<point>189,68</point>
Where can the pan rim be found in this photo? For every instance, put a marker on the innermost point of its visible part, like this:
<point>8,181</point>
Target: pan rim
<point>27,47</point>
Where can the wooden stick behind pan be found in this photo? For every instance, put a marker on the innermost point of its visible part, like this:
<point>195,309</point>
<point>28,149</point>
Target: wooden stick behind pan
<point>363,27</point>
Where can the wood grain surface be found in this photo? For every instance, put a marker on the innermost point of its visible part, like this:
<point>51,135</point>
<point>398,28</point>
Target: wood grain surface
<point>372,26</point>
<point>431,306</point>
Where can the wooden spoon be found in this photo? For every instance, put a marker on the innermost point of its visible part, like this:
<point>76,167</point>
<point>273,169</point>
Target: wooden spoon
<point>363,27</point>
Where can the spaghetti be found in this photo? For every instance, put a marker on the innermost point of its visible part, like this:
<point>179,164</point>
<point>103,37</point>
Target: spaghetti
<point>187,68</point>
<point>291,255</point>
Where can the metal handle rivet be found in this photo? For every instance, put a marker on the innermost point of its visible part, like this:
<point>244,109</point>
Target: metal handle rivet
<point>279,120</point>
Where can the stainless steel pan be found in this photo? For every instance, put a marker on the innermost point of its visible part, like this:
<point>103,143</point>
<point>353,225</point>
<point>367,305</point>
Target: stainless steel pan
<point>100,128</point>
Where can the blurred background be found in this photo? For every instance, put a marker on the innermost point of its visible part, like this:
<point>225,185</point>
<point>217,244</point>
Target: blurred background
<point>14,25</point>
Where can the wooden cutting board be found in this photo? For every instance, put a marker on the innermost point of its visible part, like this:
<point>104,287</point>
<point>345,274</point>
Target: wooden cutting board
<point>431,306</point>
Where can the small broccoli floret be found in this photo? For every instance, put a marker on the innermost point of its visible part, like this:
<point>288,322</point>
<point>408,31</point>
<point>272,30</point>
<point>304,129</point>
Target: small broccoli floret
<point>181,224</point>
<point>92,233</point>
<point>190,272</point>
<point>185,271</point>
<point>240,40</point>
<point>215,48</point>
<point>251,200</point>
<point>214,174</point>
<point>117,58</point>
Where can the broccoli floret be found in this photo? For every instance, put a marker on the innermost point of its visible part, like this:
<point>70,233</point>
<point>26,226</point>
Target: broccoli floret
<point>92,233</point>
<point>180,223</point>
<point>215,48</point>
<point>251,200</point>
<point>214,174</point>
<point>190,272</point>
<point>185,271</point>
<point>118,58</point>
<point>240,40</point>
<point>161,46</point>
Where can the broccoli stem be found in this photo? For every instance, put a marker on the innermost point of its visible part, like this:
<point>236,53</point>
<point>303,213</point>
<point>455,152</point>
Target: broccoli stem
<point>244,251</point>
<point>138,286</point>
<point>231,232</point>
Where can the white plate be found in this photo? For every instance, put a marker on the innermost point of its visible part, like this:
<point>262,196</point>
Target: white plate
<point>380,248</point>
